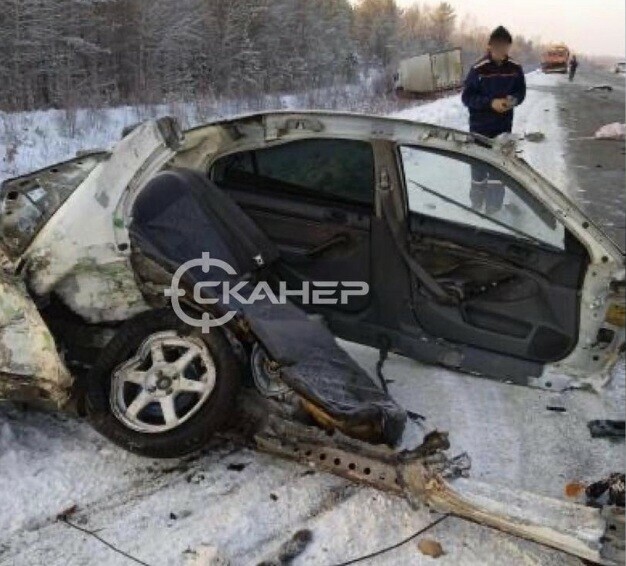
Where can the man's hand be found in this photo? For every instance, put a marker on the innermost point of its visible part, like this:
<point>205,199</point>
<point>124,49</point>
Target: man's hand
<point>500,105</point>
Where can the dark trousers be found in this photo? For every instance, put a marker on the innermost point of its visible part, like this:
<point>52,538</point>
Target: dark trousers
<point>487,190</point>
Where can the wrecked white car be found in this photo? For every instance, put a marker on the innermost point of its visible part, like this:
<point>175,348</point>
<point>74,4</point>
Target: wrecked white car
<point>506,278</point>
<point>146,284</point>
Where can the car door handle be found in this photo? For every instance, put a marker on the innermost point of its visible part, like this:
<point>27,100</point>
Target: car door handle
<point>335,241</point>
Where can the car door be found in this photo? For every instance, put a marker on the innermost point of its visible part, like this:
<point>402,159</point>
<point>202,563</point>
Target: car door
<point>314,198</point>
<point>510,270</point>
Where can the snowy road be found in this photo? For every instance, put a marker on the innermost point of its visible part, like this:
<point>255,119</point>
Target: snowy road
<point>174,512</point>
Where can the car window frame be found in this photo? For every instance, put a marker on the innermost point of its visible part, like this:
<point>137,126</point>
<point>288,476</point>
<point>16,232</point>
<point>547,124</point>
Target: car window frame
<point>296,191</point>
<point>463,157</point>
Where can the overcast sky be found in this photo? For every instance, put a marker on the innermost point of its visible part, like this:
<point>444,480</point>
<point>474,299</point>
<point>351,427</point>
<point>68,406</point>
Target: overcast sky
<point>595,27</point>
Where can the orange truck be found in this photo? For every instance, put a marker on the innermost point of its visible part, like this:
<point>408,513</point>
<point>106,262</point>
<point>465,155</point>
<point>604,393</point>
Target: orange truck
<point>555,58</point>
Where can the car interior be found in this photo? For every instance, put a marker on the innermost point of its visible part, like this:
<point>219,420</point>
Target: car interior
<point>511,270</point>
<point>314,200</point>
<point>514,268</point>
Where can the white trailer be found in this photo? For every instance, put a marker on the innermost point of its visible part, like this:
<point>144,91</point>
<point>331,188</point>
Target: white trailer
<point>430,72</point>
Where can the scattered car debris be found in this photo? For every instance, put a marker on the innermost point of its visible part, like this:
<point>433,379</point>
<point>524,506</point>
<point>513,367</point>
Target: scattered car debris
<point>614,131</point>
<point>417,476</point>
<point>575,489</point>
<point>534,136</point>
<point>206,555</point>
<point>67,513</point>
<point>290,549</point>
<point>179,515</point>
<point>430,547</point>
<point>607,428</point>
<point>607,491</point>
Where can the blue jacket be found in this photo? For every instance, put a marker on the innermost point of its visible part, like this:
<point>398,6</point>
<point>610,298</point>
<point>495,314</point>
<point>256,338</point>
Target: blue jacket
<point>485,81</point>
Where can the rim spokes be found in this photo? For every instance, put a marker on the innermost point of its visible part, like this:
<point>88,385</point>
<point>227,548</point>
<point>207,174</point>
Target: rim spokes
<point>191,385</point>
<point>181,363</point>
<point>137,377</point>
<point>169,410</point>
<point>156,351</point>
<point>141,401</point>
<point>179,387</point>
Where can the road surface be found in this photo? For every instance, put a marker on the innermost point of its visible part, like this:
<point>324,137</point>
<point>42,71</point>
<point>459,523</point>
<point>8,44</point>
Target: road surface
<point>596,166</point>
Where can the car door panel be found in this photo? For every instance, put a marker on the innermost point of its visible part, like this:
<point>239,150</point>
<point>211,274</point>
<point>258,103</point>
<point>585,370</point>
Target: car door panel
<point>516,298</point>
<point>511,269</point>
<point>317,242</point>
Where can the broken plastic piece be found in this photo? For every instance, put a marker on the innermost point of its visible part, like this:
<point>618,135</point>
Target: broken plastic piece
<point>606,428</point>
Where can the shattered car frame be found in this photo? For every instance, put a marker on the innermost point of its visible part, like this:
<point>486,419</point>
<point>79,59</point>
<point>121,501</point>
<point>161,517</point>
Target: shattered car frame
<point>497,274</point>
<point>65,233</point>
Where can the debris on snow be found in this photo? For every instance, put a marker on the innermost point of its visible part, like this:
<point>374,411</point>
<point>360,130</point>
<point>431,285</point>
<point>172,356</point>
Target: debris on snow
<point>607,428</point>
<point>614,131</point>
<point>608,491</point>
<point>206,555</point>
<point>430,547</point>
<point>574,489</point>
<point>608,88</point>
<point>291,549</point>
<point>67,513</point>
<point>535,136</point>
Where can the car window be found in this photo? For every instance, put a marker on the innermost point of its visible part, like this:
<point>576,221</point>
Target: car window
<point>315,167</point>
<point>467,191</point>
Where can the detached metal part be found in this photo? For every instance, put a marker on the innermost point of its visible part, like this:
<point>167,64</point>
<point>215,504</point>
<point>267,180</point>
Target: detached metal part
<point>418,475</point>
<point>29,360</point>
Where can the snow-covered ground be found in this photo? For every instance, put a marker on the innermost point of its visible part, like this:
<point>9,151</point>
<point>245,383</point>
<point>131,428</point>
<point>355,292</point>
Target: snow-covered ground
<point>175,512</point>
<point>538,113</point>
<point>32,140</point>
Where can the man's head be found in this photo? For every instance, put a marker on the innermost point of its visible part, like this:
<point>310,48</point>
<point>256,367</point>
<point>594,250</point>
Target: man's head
<point>500,42</point>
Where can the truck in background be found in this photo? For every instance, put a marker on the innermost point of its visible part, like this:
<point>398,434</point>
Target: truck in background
<point>429,73</point>
<point>555,59</point>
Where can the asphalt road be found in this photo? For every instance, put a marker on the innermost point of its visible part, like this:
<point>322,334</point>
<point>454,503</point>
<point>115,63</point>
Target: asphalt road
<point>595,166</point>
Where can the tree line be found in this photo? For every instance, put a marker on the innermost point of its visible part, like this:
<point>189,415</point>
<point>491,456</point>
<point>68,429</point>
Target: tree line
<point>71,53</point>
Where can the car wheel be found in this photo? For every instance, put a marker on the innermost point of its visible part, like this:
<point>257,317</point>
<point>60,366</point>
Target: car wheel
<point>161,388</point>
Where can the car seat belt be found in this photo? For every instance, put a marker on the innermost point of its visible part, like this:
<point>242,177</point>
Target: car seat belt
<point>425,278</point>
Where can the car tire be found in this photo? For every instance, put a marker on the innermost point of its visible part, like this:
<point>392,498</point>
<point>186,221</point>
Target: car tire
<point>131,355</point>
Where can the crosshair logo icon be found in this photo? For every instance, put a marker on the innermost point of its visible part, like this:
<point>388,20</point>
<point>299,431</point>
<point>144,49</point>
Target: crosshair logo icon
<point>174,292</point>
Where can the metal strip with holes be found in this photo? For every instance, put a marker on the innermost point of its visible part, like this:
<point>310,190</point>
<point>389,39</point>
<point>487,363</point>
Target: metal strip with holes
<point>418,475</point>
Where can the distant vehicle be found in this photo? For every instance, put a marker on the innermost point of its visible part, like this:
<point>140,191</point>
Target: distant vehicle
<point>620,68</point>
<point>555,58</point>
<point>429,73</point>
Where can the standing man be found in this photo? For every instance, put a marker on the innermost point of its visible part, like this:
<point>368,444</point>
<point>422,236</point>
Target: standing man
<point>573,65</point>
<point>493,87</point>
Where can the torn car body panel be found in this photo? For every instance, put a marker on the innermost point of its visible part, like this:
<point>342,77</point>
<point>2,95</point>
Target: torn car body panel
<point>426,476</point>
<point>76,255</point>
<point>31,369</point>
